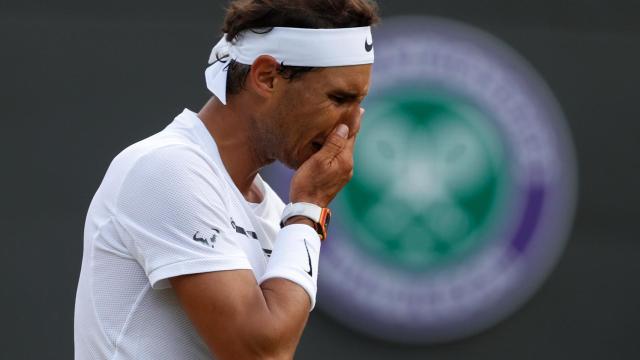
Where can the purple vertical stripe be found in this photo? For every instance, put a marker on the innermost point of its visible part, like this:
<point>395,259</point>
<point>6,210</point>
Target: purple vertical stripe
<point>530,218</point>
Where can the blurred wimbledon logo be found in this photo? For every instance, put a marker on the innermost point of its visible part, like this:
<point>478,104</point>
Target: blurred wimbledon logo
<point>463,191</point>
<point>430,179</point>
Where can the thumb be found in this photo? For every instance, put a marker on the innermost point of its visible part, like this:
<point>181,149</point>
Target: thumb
<point>335,142</point>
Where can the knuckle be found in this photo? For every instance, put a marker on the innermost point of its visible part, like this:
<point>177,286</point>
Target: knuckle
<point>349,167</point>
<point>335,141</point>
<point>348,163</point>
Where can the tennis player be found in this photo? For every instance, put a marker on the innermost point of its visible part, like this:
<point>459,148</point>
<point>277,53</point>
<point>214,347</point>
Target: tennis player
<point>188,253</point>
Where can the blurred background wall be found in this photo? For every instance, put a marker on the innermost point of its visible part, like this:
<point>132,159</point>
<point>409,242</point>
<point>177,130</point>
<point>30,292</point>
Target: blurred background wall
<point>79,81</point>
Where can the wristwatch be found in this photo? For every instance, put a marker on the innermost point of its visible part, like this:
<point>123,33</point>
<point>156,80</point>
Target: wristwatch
<point>319,215</point>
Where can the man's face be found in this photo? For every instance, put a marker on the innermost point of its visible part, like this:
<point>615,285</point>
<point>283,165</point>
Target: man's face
<point>307,109</point>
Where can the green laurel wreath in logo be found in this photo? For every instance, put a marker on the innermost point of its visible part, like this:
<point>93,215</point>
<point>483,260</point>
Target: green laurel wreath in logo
<point>430,179</point>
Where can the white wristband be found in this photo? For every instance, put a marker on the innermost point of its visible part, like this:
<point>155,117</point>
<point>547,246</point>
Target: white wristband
<point>295,257</point>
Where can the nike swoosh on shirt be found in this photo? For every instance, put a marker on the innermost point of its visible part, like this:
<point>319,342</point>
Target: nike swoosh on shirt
<point>310,272</point>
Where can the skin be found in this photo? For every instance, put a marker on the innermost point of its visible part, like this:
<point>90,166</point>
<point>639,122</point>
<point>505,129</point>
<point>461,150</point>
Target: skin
<point>296,122</point>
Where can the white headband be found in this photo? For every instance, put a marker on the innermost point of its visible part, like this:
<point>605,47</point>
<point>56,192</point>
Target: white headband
<point>290,46</point>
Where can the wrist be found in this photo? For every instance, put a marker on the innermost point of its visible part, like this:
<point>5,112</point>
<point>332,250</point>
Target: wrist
<point>299,219</point>
<point>308,199</point>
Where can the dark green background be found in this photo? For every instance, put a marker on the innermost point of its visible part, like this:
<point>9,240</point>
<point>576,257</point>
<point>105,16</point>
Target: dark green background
<point>80,80</point>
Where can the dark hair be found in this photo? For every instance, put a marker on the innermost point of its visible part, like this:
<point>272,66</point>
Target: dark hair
<point>312,14</point>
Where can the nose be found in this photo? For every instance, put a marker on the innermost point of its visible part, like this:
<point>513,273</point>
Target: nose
<point>353,118</point>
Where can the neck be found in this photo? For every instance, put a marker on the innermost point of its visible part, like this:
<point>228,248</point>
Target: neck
<point>230,126</point>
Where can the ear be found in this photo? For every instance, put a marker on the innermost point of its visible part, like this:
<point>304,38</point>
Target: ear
<point>263,75</point>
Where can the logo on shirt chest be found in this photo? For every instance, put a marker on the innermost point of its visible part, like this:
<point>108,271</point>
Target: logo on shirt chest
<point>241,230</point>
<point>249,234</point>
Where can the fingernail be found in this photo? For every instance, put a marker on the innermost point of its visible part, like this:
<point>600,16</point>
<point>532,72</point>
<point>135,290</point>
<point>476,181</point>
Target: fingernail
<point>342,130</point>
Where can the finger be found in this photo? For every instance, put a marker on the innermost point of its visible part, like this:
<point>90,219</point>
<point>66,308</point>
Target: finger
<point>349,145</point>
<point>346,156</point>
<point>335,142</point>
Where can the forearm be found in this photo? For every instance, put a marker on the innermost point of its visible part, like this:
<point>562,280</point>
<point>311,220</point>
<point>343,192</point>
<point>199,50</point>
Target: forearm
<point>265,321</point>
<point>245,321</point>
<point>288,306</point>
<point>289,283</point>
<point>271,327</point>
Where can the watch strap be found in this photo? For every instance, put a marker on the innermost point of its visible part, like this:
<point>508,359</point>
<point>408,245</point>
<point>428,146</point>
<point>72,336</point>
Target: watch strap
<point>311,211</point>
<point>318,215</point>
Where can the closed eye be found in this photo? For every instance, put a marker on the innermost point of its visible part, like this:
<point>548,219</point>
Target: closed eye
<point>341,99</point>
<point>338,99</point>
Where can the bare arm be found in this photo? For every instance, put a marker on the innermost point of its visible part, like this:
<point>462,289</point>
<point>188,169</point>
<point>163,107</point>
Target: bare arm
<point>239,319</point>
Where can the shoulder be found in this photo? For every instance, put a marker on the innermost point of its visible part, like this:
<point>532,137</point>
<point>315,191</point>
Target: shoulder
<point>168,157</point>
<point>161,147</point>
<point>163,154</point>
<point>168,173</point>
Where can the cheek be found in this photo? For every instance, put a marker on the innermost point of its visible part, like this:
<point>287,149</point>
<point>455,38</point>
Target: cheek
<point>313,117</point>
